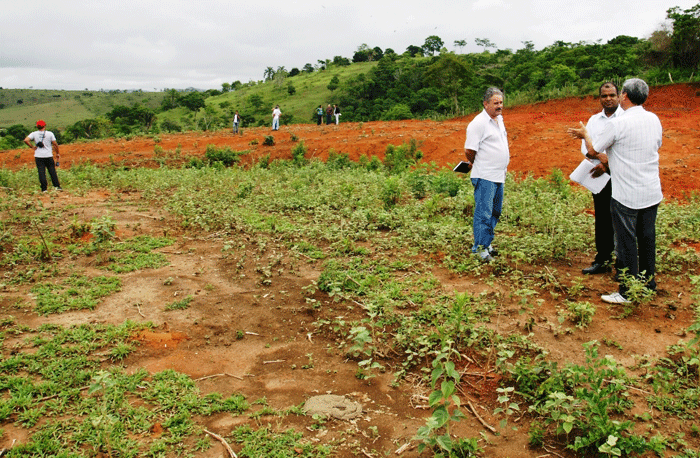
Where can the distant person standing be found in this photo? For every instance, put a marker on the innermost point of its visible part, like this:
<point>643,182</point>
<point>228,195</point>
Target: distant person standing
<point>329,113</point>
<point>276,113</point>
<point>486,147</point>
<point>319,114</point>
<point>608,96</point>
<point>236,122</point>
<point>44,145</point>
<point>336,112</point>
<point>631,143</point>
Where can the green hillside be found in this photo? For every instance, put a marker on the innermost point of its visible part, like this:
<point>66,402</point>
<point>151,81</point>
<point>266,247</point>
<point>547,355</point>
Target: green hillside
<point>60,109</point>
<point>254,101</point>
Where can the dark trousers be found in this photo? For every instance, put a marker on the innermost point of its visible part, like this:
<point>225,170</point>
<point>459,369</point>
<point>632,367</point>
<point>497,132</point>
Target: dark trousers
<point>328,118</point>
<point>320,117</point>
<point>42,164</point>
<point>635,242</point>
<point>604,233</point>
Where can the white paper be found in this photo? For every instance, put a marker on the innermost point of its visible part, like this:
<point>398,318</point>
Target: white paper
<point>582,175</point>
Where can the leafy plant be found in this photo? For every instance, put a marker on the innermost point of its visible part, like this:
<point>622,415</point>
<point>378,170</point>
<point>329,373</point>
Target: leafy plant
<point>435,434</point>
<point>581,313</point>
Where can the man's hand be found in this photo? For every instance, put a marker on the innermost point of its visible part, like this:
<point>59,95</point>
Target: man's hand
<point>598,170</point>
<point>470,155</point>
<point>577,132</point>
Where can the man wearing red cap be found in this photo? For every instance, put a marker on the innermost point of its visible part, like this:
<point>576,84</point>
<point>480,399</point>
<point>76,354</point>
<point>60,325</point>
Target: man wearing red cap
<point>44,144</point>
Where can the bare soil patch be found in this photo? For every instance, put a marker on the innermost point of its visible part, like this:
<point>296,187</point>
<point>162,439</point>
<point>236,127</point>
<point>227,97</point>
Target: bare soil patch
<point>243,334</point>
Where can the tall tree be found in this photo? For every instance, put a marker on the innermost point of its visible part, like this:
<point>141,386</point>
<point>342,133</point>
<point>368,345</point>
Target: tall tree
<point>685,41</point>
<point>485,42</point>
<point>450,75</point>
<point>432,45</point>
<point>193,100</point>
<point>414,50</point>
<point>269,73</point>
<point>460,44</point>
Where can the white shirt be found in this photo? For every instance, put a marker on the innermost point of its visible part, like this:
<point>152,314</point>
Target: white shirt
<point>632,141</point>
<point>488,137</point>
<point>276,113</point>
<point>47,138</point>
<point>595,126</point>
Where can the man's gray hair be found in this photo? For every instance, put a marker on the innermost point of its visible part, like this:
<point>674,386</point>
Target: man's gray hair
<point>636,89</point>
<point>490,92</point>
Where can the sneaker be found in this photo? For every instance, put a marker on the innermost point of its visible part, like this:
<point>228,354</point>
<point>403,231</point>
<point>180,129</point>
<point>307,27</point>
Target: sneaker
<point>484,256</point>
<point>614,298</point>
<point>492,251</point>
<point>59,189</point>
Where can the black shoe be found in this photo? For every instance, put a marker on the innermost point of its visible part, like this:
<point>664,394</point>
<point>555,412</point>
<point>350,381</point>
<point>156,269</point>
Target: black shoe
<point>597,268</point>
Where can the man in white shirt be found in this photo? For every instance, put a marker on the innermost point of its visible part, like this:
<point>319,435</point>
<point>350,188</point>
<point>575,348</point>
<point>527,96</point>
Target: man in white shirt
<point>236,122</point>
<point>486,147</point>
<point>632,142</point>
<point>609,97</point>
<point>44,145</point>
<point>276,113</point>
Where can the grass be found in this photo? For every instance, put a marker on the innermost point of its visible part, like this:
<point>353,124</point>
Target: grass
<point>375,233</point>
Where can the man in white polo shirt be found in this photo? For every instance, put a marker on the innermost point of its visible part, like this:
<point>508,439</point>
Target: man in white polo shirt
<point>486,147</point>
<point>632,142</point>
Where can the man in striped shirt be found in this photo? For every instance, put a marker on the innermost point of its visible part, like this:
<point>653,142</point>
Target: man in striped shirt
<point>632,142</point>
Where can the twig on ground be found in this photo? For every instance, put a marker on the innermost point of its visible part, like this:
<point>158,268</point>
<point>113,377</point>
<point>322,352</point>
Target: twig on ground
<point>5,450</point>
<point>147,216</point>
<point>552,451</point>
<point>273,362</point>
<point>481,420</point>
<point>218,375</point>
<point>629,387</point>
<point>43,241</point>
<point>138,307</point>
<point>223,441</point>
<point>405,447</point>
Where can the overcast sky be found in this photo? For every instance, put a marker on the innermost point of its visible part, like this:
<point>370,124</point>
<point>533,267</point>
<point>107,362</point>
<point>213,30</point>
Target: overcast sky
<point>152,45</point>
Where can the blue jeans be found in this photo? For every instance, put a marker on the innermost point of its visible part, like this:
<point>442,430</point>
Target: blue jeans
<point>275,123</point>
<point>635,241</point>
<point>488,204</point>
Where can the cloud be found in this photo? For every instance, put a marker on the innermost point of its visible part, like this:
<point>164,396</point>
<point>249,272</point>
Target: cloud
<point>147,43</point>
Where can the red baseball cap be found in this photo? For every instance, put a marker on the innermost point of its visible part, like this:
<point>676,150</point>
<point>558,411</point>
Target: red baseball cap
<point>41,123</point>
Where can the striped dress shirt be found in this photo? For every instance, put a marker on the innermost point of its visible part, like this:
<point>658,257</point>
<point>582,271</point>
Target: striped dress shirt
<point>632,141</point>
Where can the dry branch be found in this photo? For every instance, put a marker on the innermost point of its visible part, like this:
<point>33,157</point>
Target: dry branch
<point>223,441</point>
<point>481,420</point>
